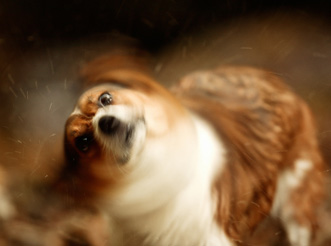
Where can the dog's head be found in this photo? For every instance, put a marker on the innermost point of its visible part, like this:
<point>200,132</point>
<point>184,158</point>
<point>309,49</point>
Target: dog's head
<point>119,126</point>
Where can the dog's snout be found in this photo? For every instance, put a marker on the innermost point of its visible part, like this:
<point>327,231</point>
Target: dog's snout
<point>109,124</point>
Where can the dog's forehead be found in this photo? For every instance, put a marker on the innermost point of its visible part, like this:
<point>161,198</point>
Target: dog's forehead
<point>88,103</point>
<point>96,91</point>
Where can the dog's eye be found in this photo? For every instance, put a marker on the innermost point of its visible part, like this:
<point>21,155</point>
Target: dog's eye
<point>83,143</point>
<point>105,99</point>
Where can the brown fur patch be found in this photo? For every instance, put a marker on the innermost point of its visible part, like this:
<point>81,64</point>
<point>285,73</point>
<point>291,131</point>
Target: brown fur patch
<point>265,128</point>
<point>87,174</point>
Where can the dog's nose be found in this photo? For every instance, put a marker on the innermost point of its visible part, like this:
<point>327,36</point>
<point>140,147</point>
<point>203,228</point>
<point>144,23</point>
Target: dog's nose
<point>109,124</point>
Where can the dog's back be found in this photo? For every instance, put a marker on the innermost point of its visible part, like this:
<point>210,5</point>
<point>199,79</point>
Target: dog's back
<point>273,161</point>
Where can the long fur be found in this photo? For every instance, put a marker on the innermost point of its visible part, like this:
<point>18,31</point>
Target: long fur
<point>207,161</point>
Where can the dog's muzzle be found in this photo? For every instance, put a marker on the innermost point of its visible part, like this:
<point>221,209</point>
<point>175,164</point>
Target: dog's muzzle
<point>109,125</point>
<point>112,126</point>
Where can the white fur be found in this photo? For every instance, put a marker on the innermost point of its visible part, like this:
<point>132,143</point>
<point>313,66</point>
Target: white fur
<point>298,235</point>
<point>122,112</point>
<point>294,178</point>
<point>127,115</point>
<point>288,181</point>
<point>167,199</point>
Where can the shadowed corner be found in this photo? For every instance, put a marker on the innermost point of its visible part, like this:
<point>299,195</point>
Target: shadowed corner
<point>32,211</point>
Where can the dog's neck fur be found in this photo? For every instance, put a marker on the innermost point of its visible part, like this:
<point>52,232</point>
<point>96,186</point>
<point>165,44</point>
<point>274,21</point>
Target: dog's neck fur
<point>169,195</point>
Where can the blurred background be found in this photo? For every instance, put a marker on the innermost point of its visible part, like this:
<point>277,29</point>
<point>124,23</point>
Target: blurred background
<point>44,43</point>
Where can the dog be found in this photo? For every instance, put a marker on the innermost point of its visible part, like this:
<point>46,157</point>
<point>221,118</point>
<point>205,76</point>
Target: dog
<point>202,163</point>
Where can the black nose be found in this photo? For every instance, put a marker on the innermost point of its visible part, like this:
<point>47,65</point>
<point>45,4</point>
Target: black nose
<point>109,124</point>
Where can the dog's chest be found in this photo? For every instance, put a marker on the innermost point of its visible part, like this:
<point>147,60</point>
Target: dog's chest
<point>188,216</point>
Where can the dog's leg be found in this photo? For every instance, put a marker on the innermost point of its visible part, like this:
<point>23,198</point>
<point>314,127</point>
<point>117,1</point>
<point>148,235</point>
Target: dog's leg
<point>283,207</point>
<point>297,199</point>
<point>301,184</point>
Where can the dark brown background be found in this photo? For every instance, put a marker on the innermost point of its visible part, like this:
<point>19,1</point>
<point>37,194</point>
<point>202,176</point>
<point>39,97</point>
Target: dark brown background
<point>43,44</point>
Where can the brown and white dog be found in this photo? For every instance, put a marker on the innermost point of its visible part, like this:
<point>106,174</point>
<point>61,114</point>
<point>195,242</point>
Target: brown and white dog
<point>201,165</point>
